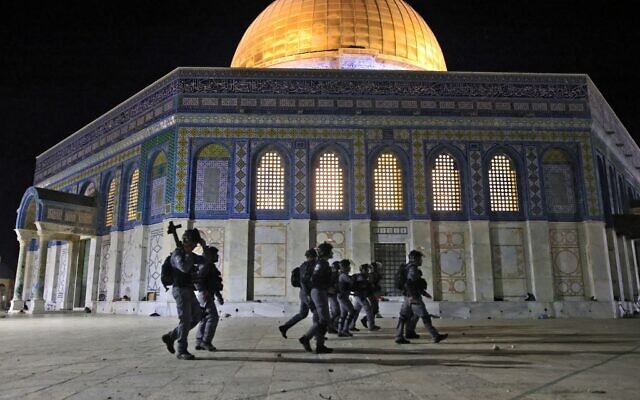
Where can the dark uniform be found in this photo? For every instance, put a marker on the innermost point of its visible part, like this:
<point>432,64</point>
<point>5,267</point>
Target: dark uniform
<point>347,312</point>
<point>208,285</point>
<point>413,305</point>
<point>332,293</point>
<point>362,290</point>
<point>319,283</point>
<point>189,312</point>
<point>304,293</point>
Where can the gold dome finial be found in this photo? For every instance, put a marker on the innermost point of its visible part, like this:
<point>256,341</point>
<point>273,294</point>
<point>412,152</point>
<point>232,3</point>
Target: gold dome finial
<point>349,34</point>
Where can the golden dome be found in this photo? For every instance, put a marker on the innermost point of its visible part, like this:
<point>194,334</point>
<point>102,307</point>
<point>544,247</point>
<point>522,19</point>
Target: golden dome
<point>367,34</point>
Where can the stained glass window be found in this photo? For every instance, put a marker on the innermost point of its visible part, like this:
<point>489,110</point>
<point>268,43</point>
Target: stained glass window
<point>111,203</point>
<point>503,187</point>
<point>329,178</point>
<point>270,182</point>
<point>132,202</point>
<point>445,179</point>
<point>387,184</point>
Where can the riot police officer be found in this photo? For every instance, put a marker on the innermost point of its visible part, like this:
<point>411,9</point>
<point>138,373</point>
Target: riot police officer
<point>305,270</point>
<point>208,285</point>
<point>183,263</point>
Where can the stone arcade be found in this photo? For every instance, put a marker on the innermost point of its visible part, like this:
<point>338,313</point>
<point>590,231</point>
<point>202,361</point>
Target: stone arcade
<point>338,121</point>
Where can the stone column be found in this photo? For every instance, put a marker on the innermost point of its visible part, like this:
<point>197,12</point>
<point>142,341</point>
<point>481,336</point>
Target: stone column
<point>72,273</point>
<point>361,247</point>
<point>93,272</point>
<point>421,240</point>
<point>614,261</point>
<point>634,267</point>
<point>538,255</point>
<point>593,247</point>
<point>236,260</point>
<point>37,304</point>
<point>17,304</point>
<point>625,278</point>
<point>481,263</point>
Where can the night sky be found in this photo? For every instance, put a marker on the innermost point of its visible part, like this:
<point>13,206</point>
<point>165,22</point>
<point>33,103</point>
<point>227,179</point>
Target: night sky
<point>65,63</point>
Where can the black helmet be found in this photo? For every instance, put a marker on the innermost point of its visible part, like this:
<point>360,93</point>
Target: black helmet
<point>335,264</point>
<point>324,249</point>
<point>413,254</point>
<point>191,236</point>
<point>311,253</point>
<point>364,268</point>
<point>345,264</point>
<point>210,253</point>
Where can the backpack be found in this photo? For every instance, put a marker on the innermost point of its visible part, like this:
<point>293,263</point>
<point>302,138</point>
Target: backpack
<point>400,278</point>
<point>306,270</point>
<point>166,274</point>
<point>295,277</point>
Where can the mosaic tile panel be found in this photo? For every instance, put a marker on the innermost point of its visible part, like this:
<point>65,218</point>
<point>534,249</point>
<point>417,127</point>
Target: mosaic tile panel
<point>212,178</point>
<point>155,260</point>
<point>103,278</point>
<point>301,168</point>
<point>533,181</point>
<point>452,270</point>
<point>158,187</point>
<point>360,175</point>
<point>559,188</point>
<point>419,185</point>
<point>477,183</point>
<point>567,266</point>
<point>241,187</point>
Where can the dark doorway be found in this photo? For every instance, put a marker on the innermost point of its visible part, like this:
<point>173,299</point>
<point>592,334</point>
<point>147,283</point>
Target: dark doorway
<point>391,255</point>
<point>80,287</point>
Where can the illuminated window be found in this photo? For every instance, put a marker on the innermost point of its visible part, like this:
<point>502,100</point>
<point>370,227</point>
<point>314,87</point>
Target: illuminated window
<point>503,188</point>
<point>111,204</point>
<point>132,203</point>
<point>387,184</point>
<point>270,182</point>
<point>329,184</point>
<point>445,180</point>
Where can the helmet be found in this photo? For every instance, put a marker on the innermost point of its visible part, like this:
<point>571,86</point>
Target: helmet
<point>345,264</point>
<point>191,236</point>
<point>414,254</point>
<point>324,249</point>
<point>364,268</point>
<point>311,253</point>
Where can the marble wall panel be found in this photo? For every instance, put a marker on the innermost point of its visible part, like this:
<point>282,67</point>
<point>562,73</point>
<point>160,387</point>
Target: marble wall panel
<point>450,265</point>
<point>567,264</point>
<point>270,260</point>
<point>507,253</point>
<point>103,279</point>
<point>155,258</point>
<point>129,264</point>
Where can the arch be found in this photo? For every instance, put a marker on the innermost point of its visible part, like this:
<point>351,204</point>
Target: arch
<point>503,181</point>
<point>559,179</point>
<point>210,182</point>
<point>388,177</point>
<point>30,210</point>
<point>329,180</point>
<point>88,188</point>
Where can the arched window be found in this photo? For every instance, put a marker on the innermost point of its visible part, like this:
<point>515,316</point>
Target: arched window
<point>387,183</point>
<point>329,183</point>
<point>559,187</point>
<point>212,178</point>
<point>270,182</point>
<point>132,200</point>
<point>111,204</point>
<point>445,182</point>
<point>503,186</point>
<point>158,184</point>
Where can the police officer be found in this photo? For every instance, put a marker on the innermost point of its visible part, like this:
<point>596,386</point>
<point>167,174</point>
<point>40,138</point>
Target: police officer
<point>414,288</point>
<point>183,262</point>
<point>362,290</point>
<point>332,294</point>
<point>305,300</point>
<point>376,276</point>
<point>320,282</point>
<point>208,285</point>
<point>345,286</point>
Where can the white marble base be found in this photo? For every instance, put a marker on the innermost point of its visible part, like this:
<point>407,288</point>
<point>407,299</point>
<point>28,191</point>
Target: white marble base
<point>16,306</point>
<point>36,307</point>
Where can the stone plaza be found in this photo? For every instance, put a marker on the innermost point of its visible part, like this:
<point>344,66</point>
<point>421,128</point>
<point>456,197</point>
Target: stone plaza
<point>89,356</point>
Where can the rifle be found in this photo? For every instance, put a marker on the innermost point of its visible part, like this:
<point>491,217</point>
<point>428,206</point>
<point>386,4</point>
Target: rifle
<point>173,230</point>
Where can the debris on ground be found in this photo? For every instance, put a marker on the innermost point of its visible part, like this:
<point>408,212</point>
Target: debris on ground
<point>496,347</point>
